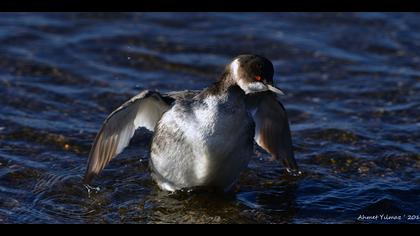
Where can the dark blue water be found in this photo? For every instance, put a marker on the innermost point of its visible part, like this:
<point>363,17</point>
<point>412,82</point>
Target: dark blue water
<point>353,95</point>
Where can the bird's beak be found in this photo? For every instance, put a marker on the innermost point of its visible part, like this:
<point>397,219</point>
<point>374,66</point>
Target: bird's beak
<point>275,90</point>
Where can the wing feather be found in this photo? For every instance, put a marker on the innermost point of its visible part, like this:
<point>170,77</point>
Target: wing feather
<point>143,110</point>
<point>272,131</point>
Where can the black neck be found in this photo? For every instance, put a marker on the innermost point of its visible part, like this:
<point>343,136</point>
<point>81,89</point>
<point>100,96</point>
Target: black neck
<point>223,84</point>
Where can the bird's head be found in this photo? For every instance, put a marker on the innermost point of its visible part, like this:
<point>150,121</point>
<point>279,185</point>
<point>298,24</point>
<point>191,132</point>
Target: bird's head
<point>253,74</point>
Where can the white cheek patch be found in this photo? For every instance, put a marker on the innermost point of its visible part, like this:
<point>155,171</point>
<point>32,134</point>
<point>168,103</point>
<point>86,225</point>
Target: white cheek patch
<point>257,87</point>
<point>252,87</point>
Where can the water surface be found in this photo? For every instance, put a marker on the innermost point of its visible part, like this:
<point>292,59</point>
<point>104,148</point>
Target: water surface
<point>352,95</point>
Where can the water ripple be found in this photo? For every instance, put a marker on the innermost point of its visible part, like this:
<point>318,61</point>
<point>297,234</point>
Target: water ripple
<point>352,88</point>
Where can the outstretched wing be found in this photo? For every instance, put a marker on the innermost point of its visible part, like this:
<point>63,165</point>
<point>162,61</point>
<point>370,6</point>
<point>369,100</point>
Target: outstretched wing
<point>272,131</point>
<point>143,110</point>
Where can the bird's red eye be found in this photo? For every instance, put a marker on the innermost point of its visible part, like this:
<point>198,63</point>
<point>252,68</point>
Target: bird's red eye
<point>258,78</point>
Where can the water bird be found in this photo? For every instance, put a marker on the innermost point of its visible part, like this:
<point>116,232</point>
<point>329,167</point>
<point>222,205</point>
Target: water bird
<point>203,138</point>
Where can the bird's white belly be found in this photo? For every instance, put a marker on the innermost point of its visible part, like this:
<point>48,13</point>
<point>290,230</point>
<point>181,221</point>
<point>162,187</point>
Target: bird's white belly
<point>212,151</point>
<point>219,156</point>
